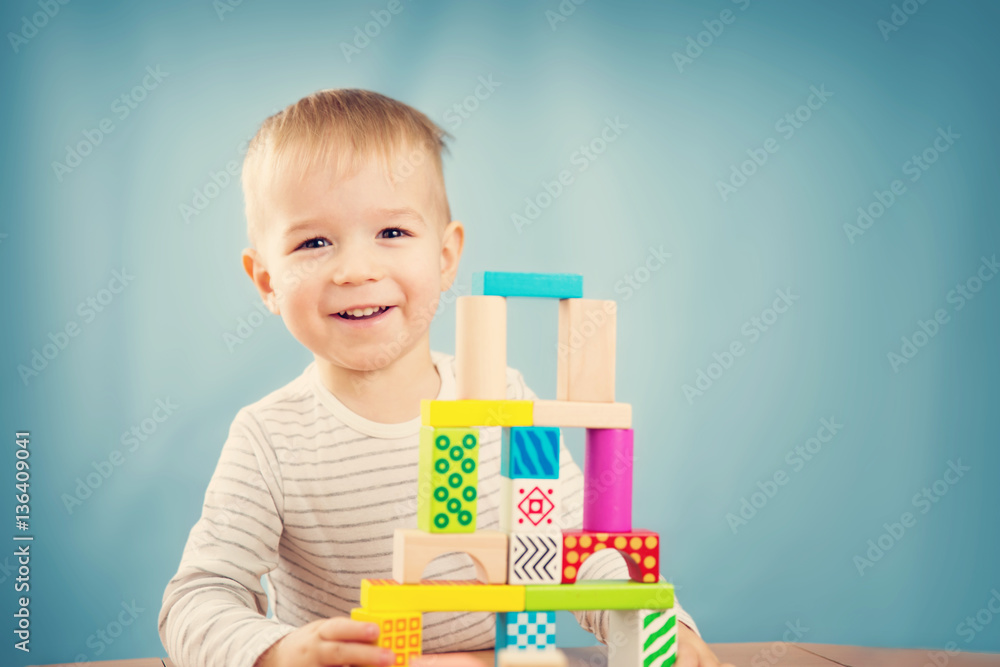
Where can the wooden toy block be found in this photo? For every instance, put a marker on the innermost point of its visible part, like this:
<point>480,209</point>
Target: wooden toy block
<point>547,285</point>
<point>530,505</point>
<point>584,595</point>
<point>585,366</point>
<point>481,347</point>
<point>526,630</point>
<point>448,479</point>
<point>512,657</point>
<point>535,558</point>
<point>476,413</point>
<point>530,451</point>
<point>644,637</point>
<point>607,481</point>
<point>579,414</point>
<point>641,549</point>
<point>399,632</point>
<point>413,549</point>
<point>389,595</point>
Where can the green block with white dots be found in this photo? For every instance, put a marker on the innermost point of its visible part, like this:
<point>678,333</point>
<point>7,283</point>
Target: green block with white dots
<point>448,480</point>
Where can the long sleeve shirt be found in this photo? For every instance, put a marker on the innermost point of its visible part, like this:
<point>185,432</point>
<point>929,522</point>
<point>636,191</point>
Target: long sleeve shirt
<point>306,496</point>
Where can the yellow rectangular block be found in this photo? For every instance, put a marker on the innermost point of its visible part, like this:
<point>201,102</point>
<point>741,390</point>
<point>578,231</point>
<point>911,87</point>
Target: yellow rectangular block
<point>388,595</point>
<point>577,414</point>
<point>399,631</point>
<point>475,413</point>
<point>585,367</point>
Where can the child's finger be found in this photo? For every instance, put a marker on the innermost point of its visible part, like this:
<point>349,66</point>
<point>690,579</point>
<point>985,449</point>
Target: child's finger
<point>345,630</point>
<point>353,653</point>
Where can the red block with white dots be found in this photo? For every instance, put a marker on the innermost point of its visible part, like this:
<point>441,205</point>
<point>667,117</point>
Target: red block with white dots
<point>530,505</point>
<point>641,549</point>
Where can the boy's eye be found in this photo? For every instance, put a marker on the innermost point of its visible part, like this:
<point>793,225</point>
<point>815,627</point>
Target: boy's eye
<point>314,243</point>
<point>393,233</point>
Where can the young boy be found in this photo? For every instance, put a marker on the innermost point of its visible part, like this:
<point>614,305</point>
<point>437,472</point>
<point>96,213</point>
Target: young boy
<point>352,243</point>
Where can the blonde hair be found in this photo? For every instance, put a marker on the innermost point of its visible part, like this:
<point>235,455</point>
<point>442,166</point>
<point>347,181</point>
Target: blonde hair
<point>342,129</point>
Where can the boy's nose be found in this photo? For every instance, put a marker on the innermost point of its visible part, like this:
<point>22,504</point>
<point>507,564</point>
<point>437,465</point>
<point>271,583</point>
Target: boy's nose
<point>356,266</point>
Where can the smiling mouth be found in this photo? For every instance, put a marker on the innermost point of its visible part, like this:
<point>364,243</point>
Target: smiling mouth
<point>362,313</point>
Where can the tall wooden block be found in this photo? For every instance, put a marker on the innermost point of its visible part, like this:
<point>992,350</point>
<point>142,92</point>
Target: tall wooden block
<point>390,595</point>
<point>644,637</point>
<point>476,413</point>
<point>512,657</point>
<point>399,631</point>
<point>607,480</point>
<point>412,550</point>
<point>585,368</point>
<point>641,549</point>
<point>581,414</point>
<point>448,480</point>
<point>526,630</point>
<point>546,285</point>
<point>481,347</point>
<point>530,505</point>
<point>534,558</point>
<point>530,451</point>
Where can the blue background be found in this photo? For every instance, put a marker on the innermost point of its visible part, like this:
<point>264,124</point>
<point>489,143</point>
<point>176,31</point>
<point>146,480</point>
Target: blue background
<point>656,186</point>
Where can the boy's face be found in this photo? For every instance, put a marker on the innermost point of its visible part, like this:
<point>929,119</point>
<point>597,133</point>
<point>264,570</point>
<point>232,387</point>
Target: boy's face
<point>355,266</point>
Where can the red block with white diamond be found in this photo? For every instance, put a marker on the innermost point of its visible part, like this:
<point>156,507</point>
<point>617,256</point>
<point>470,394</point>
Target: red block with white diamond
<point>640,548</point>
<point>530,505</point>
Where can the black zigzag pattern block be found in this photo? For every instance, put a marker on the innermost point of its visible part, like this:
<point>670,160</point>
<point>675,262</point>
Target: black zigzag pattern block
<point>535,558</point>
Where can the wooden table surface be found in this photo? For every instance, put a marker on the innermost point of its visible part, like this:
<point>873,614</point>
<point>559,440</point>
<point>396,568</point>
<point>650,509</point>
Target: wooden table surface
<point>770,654</point>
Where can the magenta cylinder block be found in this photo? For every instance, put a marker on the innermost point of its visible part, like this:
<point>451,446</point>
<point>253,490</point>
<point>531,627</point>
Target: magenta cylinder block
<point>607,480</point>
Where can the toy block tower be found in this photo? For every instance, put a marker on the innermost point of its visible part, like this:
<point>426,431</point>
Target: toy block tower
<point>528,569</point>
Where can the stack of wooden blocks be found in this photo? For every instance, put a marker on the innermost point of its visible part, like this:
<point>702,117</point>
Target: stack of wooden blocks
<point>528,569</point>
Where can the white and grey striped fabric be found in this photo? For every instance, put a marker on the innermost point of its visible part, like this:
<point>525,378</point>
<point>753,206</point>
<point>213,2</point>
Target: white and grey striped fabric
<point>308,494</point>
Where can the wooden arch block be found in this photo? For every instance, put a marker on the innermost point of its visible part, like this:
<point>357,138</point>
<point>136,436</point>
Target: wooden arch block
<point>414,549</point>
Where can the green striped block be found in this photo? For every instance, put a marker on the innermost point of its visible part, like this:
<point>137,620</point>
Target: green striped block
<point>644,637</point>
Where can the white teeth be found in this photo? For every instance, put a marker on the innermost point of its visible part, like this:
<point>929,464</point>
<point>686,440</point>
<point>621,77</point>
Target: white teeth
<point>362,312</point>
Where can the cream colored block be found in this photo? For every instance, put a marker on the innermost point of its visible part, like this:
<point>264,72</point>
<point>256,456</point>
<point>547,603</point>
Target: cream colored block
<point>516,657</point>
<point>585,368</point>
<point>481,347</point>
<point>576,414</point>
<point>414,549</point>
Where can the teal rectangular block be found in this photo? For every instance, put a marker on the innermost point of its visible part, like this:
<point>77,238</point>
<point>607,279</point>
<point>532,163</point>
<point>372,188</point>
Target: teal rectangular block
<point>530,452</point>
<point>544,285</point>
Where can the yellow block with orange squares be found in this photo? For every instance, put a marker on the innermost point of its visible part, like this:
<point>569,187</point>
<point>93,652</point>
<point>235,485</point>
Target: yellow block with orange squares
<point>399,631</point>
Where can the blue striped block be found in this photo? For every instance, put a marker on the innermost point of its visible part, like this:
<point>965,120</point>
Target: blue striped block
<point>546,285</point>
<point>530,452</point>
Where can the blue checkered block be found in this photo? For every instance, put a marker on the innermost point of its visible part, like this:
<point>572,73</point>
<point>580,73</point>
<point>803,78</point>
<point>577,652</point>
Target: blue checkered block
<point>526,629</point>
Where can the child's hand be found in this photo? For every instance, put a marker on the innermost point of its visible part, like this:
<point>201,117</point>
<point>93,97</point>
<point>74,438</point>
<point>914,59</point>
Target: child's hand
<point>692,651</point>
<point>331,641</point>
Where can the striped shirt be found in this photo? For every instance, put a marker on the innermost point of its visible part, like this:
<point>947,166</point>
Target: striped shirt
<point>307,495</point>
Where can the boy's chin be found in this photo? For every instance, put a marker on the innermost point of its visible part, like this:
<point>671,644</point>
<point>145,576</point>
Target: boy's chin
<point>364,361</point>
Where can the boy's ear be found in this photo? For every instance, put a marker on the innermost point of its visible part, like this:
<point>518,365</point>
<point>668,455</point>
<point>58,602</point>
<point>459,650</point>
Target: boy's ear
<point>451,252</point>
<point>253,264</point>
